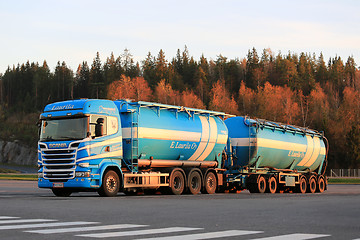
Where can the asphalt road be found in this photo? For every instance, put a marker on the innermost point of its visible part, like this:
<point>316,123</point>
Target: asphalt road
<point>27,212</point>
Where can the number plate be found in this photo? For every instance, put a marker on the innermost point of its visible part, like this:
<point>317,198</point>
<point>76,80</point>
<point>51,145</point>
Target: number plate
<point>58,185</point>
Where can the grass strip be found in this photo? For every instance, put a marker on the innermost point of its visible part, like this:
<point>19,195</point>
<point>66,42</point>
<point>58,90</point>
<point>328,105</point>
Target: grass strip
<point>344,180</point>
<point>27,177</point>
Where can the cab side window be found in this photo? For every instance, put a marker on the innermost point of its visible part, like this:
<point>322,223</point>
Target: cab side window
<point>98,126</point>
<point>112,125</point>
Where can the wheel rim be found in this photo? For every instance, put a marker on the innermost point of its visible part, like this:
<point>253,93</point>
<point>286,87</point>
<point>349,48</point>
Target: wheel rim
<point>210,182</point>
<point>312,185</point>
<point>177,183</point>
<point>272,185</point>
<point>194,182</point>
<point>111,184</point>
<point>262,184</point>
<point>321,185</point>
<point>302,185</point>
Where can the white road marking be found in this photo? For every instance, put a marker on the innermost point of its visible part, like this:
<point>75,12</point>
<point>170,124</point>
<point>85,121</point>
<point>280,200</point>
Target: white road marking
<point>43,225</point>
<point>25,221</point>
<point>208,235</point>
<point>139,232</point>
<point>83,229</point>
<point>295,236</point>
<point>6,217</point>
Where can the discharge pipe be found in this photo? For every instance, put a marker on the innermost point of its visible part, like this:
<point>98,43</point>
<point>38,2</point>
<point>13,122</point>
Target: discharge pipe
<point>175,163</point>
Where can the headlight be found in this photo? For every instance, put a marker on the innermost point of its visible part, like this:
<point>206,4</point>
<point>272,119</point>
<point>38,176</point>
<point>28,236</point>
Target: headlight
<point>84,165</point>
<point>82,174</point>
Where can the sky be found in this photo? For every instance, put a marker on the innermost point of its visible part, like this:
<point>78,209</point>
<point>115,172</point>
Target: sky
<point>75,30</point>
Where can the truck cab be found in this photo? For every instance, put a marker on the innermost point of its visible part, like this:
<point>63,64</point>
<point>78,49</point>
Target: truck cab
<point>80,140</point>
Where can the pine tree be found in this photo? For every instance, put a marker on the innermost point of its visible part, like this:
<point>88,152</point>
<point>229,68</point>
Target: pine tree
<point>97,85</point>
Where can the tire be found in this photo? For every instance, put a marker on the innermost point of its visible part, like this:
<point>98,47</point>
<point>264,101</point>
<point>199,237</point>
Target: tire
<point>177,182</point>
<point>210,183</point>
<point>302,185</point>
<point>253,188</point>
<point>272,185</point>
<point>194,182</point>
<point>110,185</point>
<point>312,185</point>
<point>261,184</point>
<point>321,185</point>
<point>61,192</point>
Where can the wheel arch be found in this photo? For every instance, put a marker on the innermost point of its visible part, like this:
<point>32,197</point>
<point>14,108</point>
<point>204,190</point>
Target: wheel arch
<point>107,167</point>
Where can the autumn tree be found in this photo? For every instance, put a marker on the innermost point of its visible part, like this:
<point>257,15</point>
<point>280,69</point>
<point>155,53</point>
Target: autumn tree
<point>277,103</point>
<point>164,93</point>
<point>247,100</point>
<point>221,100</point>
<point>136,89</point>
<point>189,99</point>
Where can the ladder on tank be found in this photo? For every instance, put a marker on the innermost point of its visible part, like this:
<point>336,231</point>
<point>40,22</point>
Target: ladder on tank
<point>134,141</point>
<point>252,141</point>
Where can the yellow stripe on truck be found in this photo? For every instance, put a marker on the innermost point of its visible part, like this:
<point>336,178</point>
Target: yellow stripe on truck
<point>205,134</point>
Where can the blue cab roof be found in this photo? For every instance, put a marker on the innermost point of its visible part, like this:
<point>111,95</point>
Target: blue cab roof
<point>80,107</point>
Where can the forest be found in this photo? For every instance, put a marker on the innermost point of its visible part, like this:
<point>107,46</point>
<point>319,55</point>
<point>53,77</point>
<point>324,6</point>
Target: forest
<point>300,89</point>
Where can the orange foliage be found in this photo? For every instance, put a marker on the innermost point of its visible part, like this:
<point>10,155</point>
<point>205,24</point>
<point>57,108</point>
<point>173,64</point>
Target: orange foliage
<point>135,88</point>
<point>278,104</point>
<point>165,94</point>
<point>142,90</point>
<point>220,99</point>
<point>349,111</point>
<point>246,100</point>
<point>318,106</point>
<point>189,99</point>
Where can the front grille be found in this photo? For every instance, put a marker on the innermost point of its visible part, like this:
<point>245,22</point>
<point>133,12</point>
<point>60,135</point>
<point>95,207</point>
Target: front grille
<point>59,164</point>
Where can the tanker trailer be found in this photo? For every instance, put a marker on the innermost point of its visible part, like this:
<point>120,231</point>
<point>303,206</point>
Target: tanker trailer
<point>270,156</point>
<point>182,145</point>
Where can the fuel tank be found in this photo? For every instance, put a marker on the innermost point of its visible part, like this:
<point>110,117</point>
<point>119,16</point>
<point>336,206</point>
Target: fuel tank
<point>261,143</point>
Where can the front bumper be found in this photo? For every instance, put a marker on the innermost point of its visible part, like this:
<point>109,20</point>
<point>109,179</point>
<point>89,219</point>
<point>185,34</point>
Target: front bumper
<point>71,183</point>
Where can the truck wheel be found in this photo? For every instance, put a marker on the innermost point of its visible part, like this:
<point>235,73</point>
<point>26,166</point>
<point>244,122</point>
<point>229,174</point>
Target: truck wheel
<point>261,184</point>
<point>210,183</point>
<point>253,188</point>
<point>110,185</point>
<point>177,182</point>
<point>194,182</point>
<point>312,185</point>
<point>302,185</point>
<point>61,192</point>
<point>272,185</point>
<point>321,185</point>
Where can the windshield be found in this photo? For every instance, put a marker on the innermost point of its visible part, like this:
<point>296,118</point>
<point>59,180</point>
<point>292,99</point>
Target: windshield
<point>63,129</point>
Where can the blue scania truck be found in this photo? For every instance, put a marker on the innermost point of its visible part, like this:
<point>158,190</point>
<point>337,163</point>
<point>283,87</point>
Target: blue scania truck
<point>111,146</point>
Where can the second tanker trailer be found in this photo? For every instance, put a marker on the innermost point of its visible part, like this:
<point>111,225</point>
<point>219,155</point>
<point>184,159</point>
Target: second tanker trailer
<point>110,146</point>
<point>270,156</point>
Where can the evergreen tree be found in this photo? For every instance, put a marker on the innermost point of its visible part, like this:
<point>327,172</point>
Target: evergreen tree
<point>149,70</point>
<point>82,84</point>
<point>97,85</point>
